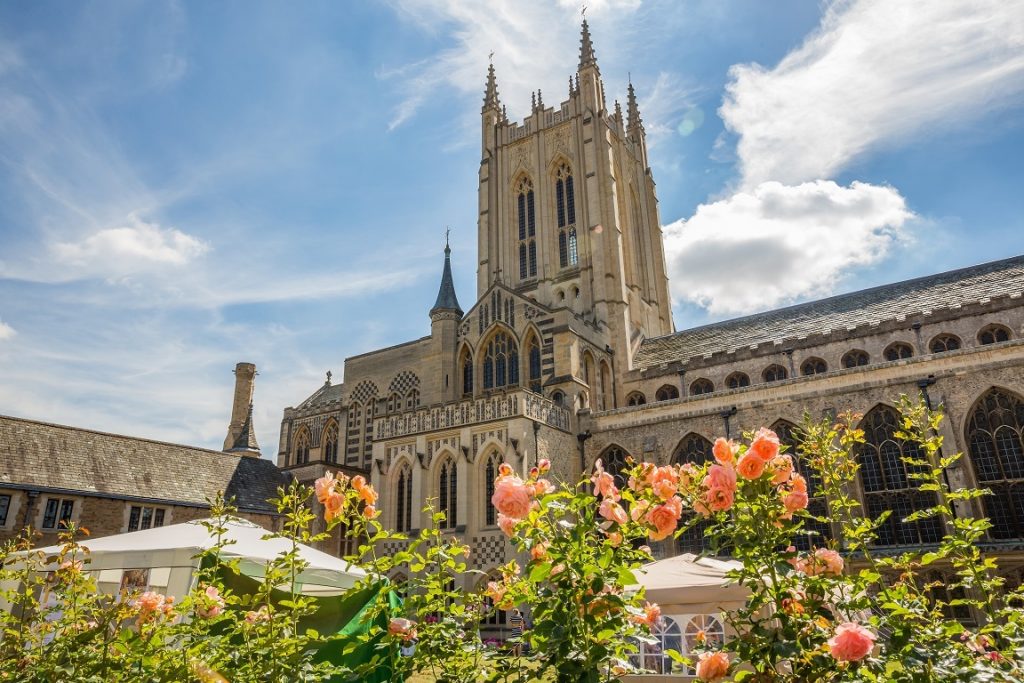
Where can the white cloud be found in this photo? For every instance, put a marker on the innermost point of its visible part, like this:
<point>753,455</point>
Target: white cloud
<point>668,101</point>
<point>6,331</point>
<point>135,247</point>
<point>530,40</point>
<point>777,243</point>
<point>874,73</point>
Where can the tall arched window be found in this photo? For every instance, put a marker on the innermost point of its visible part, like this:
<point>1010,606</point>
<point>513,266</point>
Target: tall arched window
<point>886,484</point>
<point>701,386</point>
<point>667,392</point>
<point>995,441</point>
<point>613,460</point>
<point>943,343</point>
<point>501,362</point>
<point>302,442</point>
<point>467,372</point>
<point>330,442</point>
<point>898,351</point>
<point>403,499</point>
<point>774,373</point>
<point>737,380</point>
<point>814,533</point>
<point>494,461</point>
<point>607,400</point>
<point>855,358</point>
<point>698,450</point>
<point>565,201</point>
<point>447,498</point>
<point>993,334</point>
<point>527,217</point>
<point>533,362</point>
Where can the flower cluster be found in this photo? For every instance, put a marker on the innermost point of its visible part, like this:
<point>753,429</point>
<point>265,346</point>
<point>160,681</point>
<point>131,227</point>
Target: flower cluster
<point>152,605</point>
<point>209,603</point>
<point>514,498</point>
<point>331,490</point>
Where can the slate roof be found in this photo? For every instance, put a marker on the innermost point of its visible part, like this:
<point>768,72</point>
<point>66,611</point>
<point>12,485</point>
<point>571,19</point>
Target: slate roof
<point>446,299</point>
<point>57,457</point>
<point>845,311</point>
<point>327,393</point>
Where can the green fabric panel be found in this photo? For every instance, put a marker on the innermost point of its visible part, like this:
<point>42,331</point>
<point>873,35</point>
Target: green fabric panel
<point>346,616</point>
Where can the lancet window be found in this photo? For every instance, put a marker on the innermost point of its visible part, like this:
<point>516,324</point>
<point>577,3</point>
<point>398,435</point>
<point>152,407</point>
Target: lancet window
<point>501,362</point>
<point>995,440</point>
<point>403,499</point>
<point>447,498</point>
<point>565,201</point>
<point>526,216</point>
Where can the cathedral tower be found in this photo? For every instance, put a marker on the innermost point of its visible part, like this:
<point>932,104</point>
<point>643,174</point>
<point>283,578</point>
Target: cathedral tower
<point>568,214</point>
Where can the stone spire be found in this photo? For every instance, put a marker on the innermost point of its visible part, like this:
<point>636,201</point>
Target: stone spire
<point>491,90</point>
<point>633,122</point>
<point>446,302</point>
<point>245,442</point>
<point>587,56</point>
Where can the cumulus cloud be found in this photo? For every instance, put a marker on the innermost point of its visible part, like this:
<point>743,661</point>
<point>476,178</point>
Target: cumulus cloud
<point>528,39</point>
<point>778,243</point>
<point>874,73</point>
<point>137,246</point>
<point>6,331</point>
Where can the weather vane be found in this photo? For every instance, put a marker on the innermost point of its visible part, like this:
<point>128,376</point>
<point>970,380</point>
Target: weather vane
<point>583,12</point>
<point>490,57</point>
<point>447,231</point>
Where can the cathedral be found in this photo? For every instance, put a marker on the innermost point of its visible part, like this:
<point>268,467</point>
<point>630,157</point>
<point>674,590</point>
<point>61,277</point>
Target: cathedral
<point>569,352</point>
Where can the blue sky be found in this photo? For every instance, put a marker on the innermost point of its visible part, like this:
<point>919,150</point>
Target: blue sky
<point>188,185</point>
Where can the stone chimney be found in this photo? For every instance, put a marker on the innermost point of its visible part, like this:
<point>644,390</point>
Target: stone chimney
<point>245,376</point>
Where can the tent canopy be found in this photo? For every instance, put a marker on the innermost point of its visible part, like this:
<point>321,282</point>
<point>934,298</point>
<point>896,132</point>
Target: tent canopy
<point>691,584</point>
<point>176,546</point>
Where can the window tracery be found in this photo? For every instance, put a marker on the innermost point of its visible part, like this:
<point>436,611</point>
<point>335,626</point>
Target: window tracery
<point>993,334</point>
<point>565,201</point>
<point>737,380</point>
<point>636,399</point>
<point>701,386</point>
<point>813,366</point>
<point>666,392</point>
<point>898,351</point>
<point>533,363</point>
<point>944,343</point>
<point>815,533</point>
<point>527,218</point>
<point>995,442</point>
<point>447,497</point>
<point>403,499</point>
<point>855,358</point>
<point>302,443</point>
<point>693,448</point>
<point>774,373</point>
<point>501,362</point>
<point>330,442</point>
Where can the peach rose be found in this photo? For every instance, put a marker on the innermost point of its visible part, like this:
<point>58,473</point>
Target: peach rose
<point>539,551</point>
<point>324,486</point>
<point>720,477</point>
<point>725,450</point>
<point>543,465</point>
<point>512,497</point>
<point>358,482</point>
<point>543,487</point>
<point>712,666</point>
<point>615,539</point>
<point>765,444</point>
<point>402,628</point>
<point>851,642</point>
<point>665,481</point>
<point>506,524</point>
<point>639,509</point>
<point>649,618</point>
<point>333,505</point>
<point>368,494</point>
<point>664,518</point>
<point>750,466</point>
<point>798,483</point>
<point>212,603</point>
<point>262,614</point>
<point>781,467</point>
<point>612,511</point>
<point>369,512</point>
<point>504,470</point>
<point>718,499</point>
<point>794,500</point>
<point>604,483</point>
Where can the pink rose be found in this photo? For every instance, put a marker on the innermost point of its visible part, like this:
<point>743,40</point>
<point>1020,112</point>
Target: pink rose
<point>262,614</point>
<point>649,618</point>
<point>507,524</point>
<point>539,551</point>
<point>543,487</point>
<point>750,466</point>
<point>604,484</point>
<point>615,539</point>
<point>798,483</point>
<point>664,518</point>
<point>333,505</point>
<point>504,469</point>
<point>543,465</point>
<point>765,444</point>
<point>369,512</point>
<point>719,499</point>
<point>725,451</point>
<point>712,666</point>
<point>612,511</point>
<point>851,642</point>
<point>720,477</point>
<point>402,628</point>
<point>827,562</point>
<point>781,467</point>
<point>512,497</point>
<point>212,603</point>
<point>639,509</point>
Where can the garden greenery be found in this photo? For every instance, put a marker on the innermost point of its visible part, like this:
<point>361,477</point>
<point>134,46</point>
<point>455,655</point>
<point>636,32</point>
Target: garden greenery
<point>840,610</point>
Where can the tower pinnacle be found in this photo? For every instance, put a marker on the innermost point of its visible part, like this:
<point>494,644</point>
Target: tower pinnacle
<point>491,89</point>
<point>633,121</point>
<point>446,302</point>
<point>587,56</point>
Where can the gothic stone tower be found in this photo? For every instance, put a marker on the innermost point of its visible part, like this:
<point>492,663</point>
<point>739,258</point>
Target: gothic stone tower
<point>568,211</point>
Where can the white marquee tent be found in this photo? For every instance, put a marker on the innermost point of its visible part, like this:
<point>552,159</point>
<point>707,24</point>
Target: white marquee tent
<point>164,558</point>
<point>689,584</point>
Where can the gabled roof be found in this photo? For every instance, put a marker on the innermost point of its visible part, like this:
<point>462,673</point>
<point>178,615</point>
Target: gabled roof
<point>39,455</point>
<point>845,311</point>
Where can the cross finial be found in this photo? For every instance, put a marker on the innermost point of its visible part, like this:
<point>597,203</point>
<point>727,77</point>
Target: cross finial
<point>329,377</point>
<point>583,12</point>
<point>447,232</point>
<point>490,57</point>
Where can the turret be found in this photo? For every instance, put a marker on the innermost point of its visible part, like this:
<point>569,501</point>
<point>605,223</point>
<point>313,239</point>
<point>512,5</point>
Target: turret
<point>444,324</point>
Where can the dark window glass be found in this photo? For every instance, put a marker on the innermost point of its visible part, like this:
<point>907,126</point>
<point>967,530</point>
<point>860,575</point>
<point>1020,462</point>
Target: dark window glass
<point>813,366</point>
<point>147,518</point>
<point>887,486</point>
<point>5,506</point>
<point>570,201</point>
<point>573,255</point>
<point>815,533</point>
<point>563,249</point>
<point>501,362</point>
<point>447,498</point>
<point>523,265</point>
<point>531,218</point>
<point>613,460</point>
<point>636,399</point>
<point>898,351</point>
<point>737,380</point>
<point>134,515</point>
<point>533,258</point>
<point>701,386</point>
<point>535,367</point>
<point>696,449</point>
<point>560,202</point>
<point>855,359</point>
<point>994,334</point>
<point>944,343</point>
<point>522,216</point>
<point>666,393</point>
<point>995,442</point>
<point>775,373</point>
<point>158,517</point>
<point>489,475</point>
<point>50,513</point>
